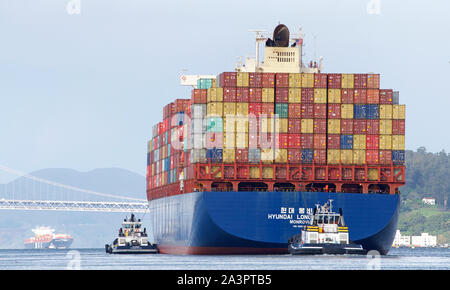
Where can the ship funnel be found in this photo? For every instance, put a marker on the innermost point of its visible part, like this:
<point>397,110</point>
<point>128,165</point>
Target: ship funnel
<point>280,37</point>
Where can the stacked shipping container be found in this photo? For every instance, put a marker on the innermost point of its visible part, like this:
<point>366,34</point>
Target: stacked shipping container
<point>282,118</point>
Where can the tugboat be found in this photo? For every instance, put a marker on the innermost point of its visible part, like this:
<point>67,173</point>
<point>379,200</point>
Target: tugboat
<point>326,234</point>
<point>131,239</point>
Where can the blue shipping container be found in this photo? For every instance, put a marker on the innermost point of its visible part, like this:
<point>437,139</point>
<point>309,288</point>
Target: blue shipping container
<point>373,112</point>
<point>214,155</point>
<point>307,155</point>
<point>360,111</point>
<point>346,141</point>
<point>398,156</point>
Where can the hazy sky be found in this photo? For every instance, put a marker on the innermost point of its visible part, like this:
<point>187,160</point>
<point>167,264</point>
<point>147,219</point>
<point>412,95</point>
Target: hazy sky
<point>83,90</point>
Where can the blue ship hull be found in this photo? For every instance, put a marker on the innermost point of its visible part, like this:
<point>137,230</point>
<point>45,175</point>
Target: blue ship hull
<point>262,222</point>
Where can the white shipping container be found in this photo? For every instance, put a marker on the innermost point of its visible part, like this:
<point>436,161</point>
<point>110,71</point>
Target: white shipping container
<point>198,156</point>
<point>198,111</point>
<point>198,125</point>
<point>198,141</point>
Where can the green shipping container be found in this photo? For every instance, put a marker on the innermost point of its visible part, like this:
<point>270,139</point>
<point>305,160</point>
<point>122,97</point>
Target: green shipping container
<point>282,110</point>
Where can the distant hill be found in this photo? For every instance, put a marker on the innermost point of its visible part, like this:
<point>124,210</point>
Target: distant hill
<point>89,229</point>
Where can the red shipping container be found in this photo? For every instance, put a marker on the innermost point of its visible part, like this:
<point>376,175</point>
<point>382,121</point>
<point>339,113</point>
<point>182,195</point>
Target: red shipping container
<point>294,155</point>
<point>227,79</point>
<point>198,96</point>
<point>385,157</point>
<point>268,80</point>
<point>166,125</point>
<point>294,126</point>
<point>168,110</point>
<point>295,111</point>
<point>307,141</point>
<point>360,96</point>
<point>242,155</point>
<point>253,139</point>
<point>182,105</point>
<point>320,126</point>
<point>267,109</point>
<point>295,141</point>
<point>283,141</point>
<point>255,109</point>
<point>347,126</point>
<point>398,127</point>
<point>214,140</point>
<point>334,81</point>
<point>372,157</point>
<point>334,141</point>
<point>360,81</point>
<point>334,173</point>
<point>373,81</point>
<point>255,80</point>
<point>320,173</point>
<point>372,142</point>
<point>320,141</point>
<point>373,96</point>
<point>282,80</point>
<point>229,94</point>
<point>307,96</point>
<point>373,127</point>
<point>347,96</point>
<point>255,95</point>
<point>242,172</point>
<point>359,127</point>
<point>386,97</point>
<point>160,128</point>
<point>320,111</point>
<point>334,111</point>
<point>242,95</point>
<point>320,156</point>
<point>282,95</point>
<point>320,81</point>
<point>307,111</point>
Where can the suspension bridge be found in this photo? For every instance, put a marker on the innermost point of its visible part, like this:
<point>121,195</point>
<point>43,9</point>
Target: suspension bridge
<point>28,192</point>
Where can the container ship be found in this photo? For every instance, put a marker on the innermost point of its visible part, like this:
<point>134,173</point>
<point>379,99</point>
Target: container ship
<point>45,238</point>
<point>239,167</point>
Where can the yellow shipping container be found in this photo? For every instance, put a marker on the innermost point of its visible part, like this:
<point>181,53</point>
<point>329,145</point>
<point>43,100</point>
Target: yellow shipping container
<point>229,124</point>
<point>255,173</point>
<point>347,81</point>
<point>398,112</point>
<point>215,109</point>
<point>213,84</point>
<point>307,80</point>
<point>267,125</point>
<point>386,127</point>
<point>372,174</point>
<point>241,124</point>
<point>229,108</point>
<point>214,95</point>
<point>307,126</point>
<point>268,95</point>
<point>241,140</point>
<point>281,125</point>
<point>347,111</point>
<point>229,140</point>
<point>281,155</point>
<point>347,157</point>
<point>385,111</point>
<point>320,96</point>
<point>267,156</point>
<point>359,142</point>
<point>267,172</point>
<point>334,156</point>
<point>215,169</point>
<point>334,96</point>
<point>385,142</point>
<point>295,95</point>
<point>242,109</point>
<point>398,142</point>
<point>295,80</point>
<point>334,126</point>
<point>359,156</point>
<point>229,155</point>
<point>242,79</point>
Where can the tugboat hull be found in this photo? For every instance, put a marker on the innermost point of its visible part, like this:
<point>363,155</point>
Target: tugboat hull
<point>326,249</point>
<point>150,249</point>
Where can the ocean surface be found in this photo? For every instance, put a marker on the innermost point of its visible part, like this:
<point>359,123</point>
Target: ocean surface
<point>97,259</point>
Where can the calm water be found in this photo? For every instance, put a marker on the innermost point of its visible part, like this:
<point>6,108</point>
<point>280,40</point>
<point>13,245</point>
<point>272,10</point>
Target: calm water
<point>86,259</point>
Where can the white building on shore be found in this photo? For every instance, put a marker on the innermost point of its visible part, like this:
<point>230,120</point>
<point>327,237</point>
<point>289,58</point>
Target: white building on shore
<point>422,241</point>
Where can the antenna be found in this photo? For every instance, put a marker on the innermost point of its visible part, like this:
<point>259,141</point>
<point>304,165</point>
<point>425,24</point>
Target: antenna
<point>258,38</point>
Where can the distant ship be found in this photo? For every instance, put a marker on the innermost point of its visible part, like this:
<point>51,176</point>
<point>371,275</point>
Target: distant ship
<point>45,238</point>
